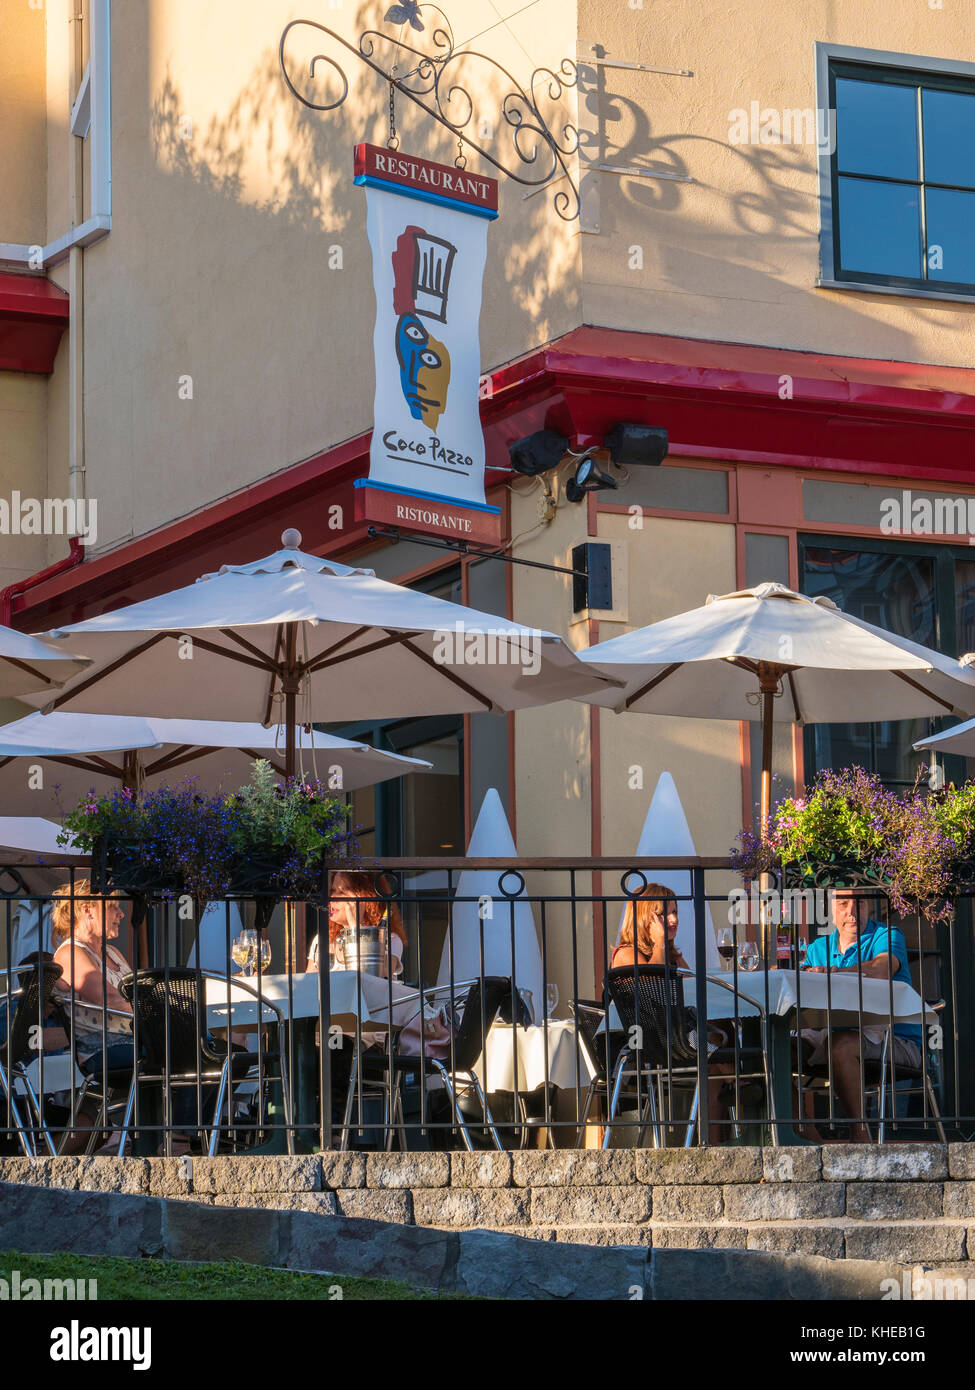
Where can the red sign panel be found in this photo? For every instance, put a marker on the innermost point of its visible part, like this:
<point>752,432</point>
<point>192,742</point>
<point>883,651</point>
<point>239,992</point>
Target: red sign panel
<point>433,515</point>
<point>375,163</point>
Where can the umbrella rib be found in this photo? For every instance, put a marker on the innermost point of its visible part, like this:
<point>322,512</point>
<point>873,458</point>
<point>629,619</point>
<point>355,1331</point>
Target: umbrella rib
<point>917,686</point>
<point>795,697</point>
<point>645,689</point>
<point>390,640</point>
<point>258,755</point>
<point>261,664</point>
<point>322,657</point>
<point>242,641</point>
<point>442,671</point>
<point>93,763</point>
<point>29,670</point>
<point>183,753</point>
<point>275,670</point>
<point>107,671</point>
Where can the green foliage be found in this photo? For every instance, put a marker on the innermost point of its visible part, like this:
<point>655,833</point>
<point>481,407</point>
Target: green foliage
<point>913,844</point>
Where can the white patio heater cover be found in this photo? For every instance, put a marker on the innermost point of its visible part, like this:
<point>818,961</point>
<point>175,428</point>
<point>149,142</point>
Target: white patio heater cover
<point>492,839</point>
<point>666,833</point>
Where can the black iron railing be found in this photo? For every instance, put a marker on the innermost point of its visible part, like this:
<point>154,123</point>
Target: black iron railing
<point>474,1003</point>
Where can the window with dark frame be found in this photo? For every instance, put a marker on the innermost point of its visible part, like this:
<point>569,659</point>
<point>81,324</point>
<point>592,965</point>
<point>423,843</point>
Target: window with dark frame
<point>926,593</point>
<point>903,178</point>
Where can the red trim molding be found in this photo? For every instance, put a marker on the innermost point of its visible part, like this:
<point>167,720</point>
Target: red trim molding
<point>33,316</point>
<point>716,400</point>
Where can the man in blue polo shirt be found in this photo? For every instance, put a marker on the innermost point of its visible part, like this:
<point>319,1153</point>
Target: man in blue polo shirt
<point>878,953</point>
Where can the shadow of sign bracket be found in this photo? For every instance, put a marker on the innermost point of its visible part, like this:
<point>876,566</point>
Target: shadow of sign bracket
<point>542,148</point>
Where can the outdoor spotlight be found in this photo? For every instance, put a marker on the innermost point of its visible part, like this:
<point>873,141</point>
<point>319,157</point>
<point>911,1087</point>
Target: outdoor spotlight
<point>587,478</point>
<point>538,452</point>
<point>636,444</point>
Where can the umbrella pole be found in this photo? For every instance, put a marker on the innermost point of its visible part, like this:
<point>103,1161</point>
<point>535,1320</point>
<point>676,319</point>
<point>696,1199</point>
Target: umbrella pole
<point>290,704</point>
<point>769,676</point>
<point>133,777</point>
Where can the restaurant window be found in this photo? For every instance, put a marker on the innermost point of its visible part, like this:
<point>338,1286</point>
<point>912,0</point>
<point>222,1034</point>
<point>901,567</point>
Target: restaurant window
<point>902,176</point>
<point>925,594</point>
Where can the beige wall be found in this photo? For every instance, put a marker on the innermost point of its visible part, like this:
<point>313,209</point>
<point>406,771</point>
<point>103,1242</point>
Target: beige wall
<point>673,566</point>
<point>23,455</point>
<point>227,197</point>
<point>734,255</point>
<point>23,124</point>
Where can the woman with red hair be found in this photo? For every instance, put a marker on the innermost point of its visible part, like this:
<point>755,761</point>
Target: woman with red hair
<point>356,900</point>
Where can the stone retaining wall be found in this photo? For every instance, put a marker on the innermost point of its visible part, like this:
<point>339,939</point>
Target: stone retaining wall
<point>906,1203</point>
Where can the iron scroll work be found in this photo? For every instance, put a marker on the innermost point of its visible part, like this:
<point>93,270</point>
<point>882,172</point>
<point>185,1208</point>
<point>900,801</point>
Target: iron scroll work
<point>426,81</point>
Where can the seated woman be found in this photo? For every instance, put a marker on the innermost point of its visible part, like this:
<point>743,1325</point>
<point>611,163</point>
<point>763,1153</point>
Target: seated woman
<point>81,929</point>
<point>649,929</point>
<point>355,900</point>
<point>647,937</point>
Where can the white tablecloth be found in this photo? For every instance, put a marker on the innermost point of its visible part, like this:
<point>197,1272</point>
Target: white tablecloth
<point>563,1055</point>
<point>840,990</point>
<point>352,999</point>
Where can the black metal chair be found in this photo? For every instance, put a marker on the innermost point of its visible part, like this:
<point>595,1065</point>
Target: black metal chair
<point>883,1080</point>
<point>35,1003</point>
<point>649,1000</point>
<point>600,1048</point>
<point>176,1048</point>
<point>472,1007</point>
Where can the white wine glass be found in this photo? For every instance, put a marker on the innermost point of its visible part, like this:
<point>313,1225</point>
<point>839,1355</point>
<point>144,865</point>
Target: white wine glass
<point>748,956</point>
<point>551,999</point>
<point>244,950</point>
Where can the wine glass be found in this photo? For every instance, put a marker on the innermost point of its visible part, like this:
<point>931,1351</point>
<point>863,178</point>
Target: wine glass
<point>748,956</point>
<point>551,999</point>
<point>244,950</point>
<point>726,946</point>
<point>265,953</point>
<point>241,948</point>
<point>803,947</point>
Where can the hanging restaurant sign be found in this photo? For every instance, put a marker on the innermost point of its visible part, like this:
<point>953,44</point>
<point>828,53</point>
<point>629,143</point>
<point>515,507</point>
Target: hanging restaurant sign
<point>427,227</point>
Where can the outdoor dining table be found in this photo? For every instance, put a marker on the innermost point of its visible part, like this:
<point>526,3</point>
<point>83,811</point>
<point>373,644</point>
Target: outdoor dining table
<point>350,1001</point>
<point>834,1000</point>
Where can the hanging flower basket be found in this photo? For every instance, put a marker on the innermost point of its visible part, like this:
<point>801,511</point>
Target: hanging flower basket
<point>849,831</point>
<point>834,872</point>
<point>265,841</point>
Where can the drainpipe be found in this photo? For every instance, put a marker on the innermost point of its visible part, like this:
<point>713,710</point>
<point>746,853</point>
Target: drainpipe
<point>21,586</point>
<point>76,287</point>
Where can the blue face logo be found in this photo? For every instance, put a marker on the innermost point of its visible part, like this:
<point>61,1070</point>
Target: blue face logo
<point>424,370</point>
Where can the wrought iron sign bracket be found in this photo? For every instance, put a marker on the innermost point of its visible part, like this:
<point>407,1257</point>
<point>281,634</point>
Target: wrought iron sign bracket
<point>542,148</point>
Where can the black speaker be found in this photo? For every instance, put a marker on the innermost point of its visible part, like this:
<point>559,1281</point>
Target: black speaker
<point>637,444</point>
<point>538,452</point>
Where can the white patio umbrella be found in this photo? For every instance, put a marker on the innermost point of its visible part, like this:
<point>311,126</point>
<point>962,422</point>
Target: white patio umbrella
<point>29,665</point>
<point>295,637</point>
<point>49,761</point>
<point>24,839</point>
<point>959,740</point>
<point>772,655</point>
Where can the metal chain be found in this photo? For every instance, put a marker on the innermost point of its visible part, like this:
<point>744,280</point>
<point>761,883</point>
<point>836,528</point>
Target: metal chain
<point>461,161</point>
<point>393,142</point>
